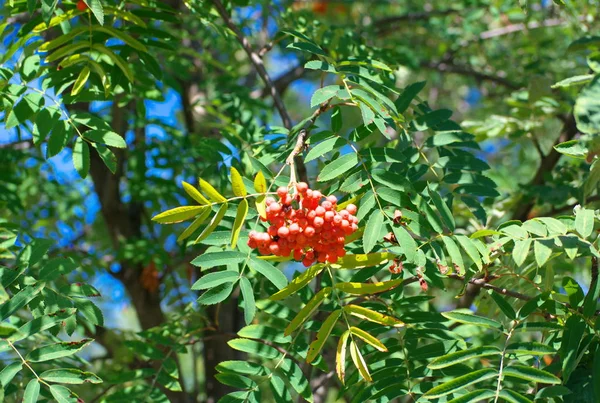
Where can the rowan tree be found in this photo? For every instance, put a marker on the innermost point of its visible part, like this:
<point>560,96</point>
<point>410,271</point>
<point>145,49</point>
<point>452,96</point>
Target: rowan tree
<point>234,200</point>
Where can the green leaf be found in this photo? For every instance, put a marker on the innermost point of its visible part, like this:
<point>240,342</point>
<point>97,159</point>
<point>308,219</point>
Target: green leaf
<point>323,147</point>
<point>591,299</point>
<point>542,249</point>
<point>134,43</point>
<point>530,348</point>
<point>471,319</point>
<point>90,311</point>
<point>464,355</point>
<point>587,108</point>
<point>584,221</point>
<point>216,294</point>
<point>336,119</point>
<point>407,96</point>
<point>454,253</point>
<point>323,95</point>
<point>504,306</point>
<point>30,67</point>
<point>9,372</point>
<point>108,138</point>
<point>178,214</point>
<point>460,383</point>
<point>235,380</point>
<point>338,167</point>
<point>42,323</point>
<point>221,258</point>
<point>263,332</point>
<point>531,374</point>
<point>372,231</point>
<point>240,217</point>
<point>213,224</point>
<point>320,65</point>
<point>241,367</point>
<point>315,347</point>
<point>308,309</point>
<point>307,47</point>
<point>596,373</point>
<point>443,209</point>
<point>479,395</point>
<point>108,157</point>
<point>69,376</point>
<point>359,362</point>
<point>572,335</point>
<point>521,250</point>
<point>116,59</point>
<point>81,157</point>
<point>406,242</point>
<point>513,397</point>
<point>273,274</point>
<point>254,347</point>
<point>57,267</point>
<point>57,350</point>
<point>470,248</point>
<point>575,80</point>
<point>293,374</point>
<point>212,280</point>
<point>249,303</point>
<point>19,300</point>
<point>62,394</point>
<point>96,8</point>
<point>32,391</point>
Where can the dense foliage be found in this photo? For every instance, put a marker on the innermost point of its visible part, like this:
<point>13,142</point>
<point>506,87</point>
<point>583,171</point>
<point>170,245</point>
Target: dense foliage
<point>407,213</point>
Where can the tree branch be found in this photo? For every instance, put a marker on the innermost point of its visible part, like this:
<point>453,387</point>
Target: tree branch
<point>468,71</point>
<point>524,207</point>
<point>385,25</point>
<point>257,62</point>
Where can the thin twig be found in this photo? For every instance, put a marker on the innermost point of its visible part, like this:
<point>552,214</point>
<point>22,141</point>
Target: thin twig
<point>256,60</point>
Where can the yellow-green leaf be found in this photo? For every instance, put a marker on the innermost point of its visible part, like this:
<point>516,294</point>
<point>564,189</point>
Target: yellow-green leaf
<point>177,214</point>
<point>260,184</point>
<point>373,316</point>
<point>213,224</point>
<point>461,382</point>
<point>194,193</point>
<point>211,192</point>
<point>62,39</point>
<point>462,356</point>
<point>367,288</point>
<point>298,282</point>
<point>82,78</point>
<point>359,362</point>
<point>340,356</point>
<point>315,347</point>
<point>239,189</point>
<point>367,338</point>
<point>57,20</point>
<point>308,309</point>
<point>124,15</point>
<point>240,216</point>
<point>363,260</point>
<point>195,224</point>
<point>261,206</point>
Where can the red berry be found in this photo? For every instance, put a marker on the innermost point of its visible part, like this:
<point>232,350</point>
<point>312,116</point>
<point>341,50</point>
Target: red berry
<point>302,187</point>
<point>81,6</point>
<point>351,208</point>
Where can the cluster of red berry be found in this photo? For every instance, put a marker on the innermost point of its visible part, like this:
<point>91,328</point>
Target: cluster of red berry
<point>302,224</point>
